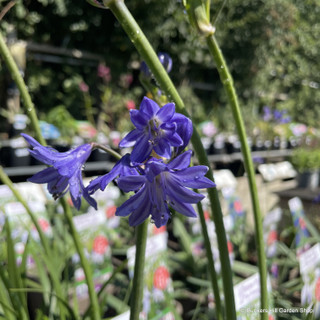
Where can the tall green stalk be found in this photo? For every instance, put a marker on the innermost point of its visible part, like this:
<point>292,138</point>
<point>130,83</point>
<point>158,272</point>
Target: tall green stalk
<point>199,17</point>
<point>16,76</point>
<point>227,81</point>
<point>147,53</point>
<point>138,277</point>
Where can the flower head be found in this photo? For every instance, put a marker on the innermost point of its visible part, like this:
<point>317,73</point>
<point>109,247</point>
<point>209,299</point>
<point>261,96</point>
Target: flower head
<point>65,171</point>
<point>162,186</point>
<point>157,129</point>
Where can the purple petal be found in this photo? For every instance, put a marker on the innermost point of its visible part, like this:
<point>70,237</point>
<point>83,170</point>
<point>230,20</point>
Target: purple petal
<point>184,208</point>
<point>94,185</point>
<point>47,159</point>
<point>130,139</point>
<point>140,214</point>
<point>193,177</point>
<point>149,107</point>
<point>107,178</point>
<point>76,202</point>
<point>192,173</point>
<point>181,162</point>
<point>175,140</point>
<point>44,176</point>
<point>166,112</point>
<point>74,183</point>
<point>59,186</point>
<point>160,218</point>
<point>92,202</point>
<point>141,150</point>
<point>132,203</point>
<point>131,183</point>
<point>160,212</point>
<point>153,168</point>
<point>31,141</point>
<point>184,129</point>
<point>163,149</point>
<point>182,194</point>
<point>139,119</point>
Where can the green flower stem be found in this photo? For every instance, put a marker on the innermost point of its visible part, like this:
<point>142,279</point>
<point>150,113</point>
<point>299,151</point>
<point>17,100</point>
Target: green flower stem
<point>227,81</point>
<point>95,309</point>
<point>138,277</point>
<point>108,150</point>
<point>56,282</point>
<point>214,278</point>
<point>14,71</point>
<point>147,53</point>
<point>16,76</point>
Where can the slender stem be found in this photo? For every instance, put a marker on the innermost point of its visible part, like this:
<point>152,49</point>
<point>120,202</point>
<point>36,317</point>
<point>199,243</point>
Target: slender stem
<point>16,76</point>
<point>95,309</point>
<point>214,278</point>
<point>138,281</point>
<point>227,81</point>
<point>147,53</point>
<point>106,149</point>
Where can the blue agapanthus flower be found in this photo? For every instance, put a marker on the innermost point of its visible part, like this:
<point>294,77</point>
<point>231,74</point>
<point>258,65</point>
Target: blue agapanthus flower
<point>156,129</point>
<point>65,171</point>
<point>162,186</point>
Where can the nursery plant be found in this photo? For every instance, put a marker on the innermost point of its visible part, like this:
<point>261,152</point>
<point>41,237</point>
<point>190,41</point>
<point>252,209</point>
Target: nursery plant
<point>157,171</point>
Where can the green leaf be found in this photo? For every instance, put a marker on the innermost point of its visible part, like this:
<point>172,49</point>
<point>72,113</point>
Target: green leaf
<point>18,301</point>
<point>244,269</point>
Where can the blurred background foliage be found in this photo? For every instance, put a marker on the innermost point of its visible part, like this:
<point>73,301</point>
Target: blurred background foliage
<point>271,47</point>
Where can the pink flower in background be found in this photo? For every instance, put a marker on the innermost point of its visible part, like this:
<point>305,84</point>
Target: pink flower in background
<point>317,290</point>
<point>302,223</point>
<point>130,105</point>
<point>272,237</point>
<point>161,278</point>
<point>100,244</point>
<point>230,246</point>
<point>44,224</point>
<point>110,212</point>
<point>238,206</point>
<point>104,72</point>
<point>83,87</point>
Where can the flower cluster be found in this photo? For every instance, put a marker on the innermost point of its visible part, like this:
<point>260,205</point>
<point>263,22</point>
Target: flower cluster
<point>157,170</point>
<point>278,116</point>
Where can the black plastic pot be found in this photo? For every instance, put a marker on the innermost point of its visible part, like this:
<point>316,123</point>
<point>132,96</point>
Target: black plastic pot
<point>258,145</point>
<point>14,157</point>
<point>308,179</point>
